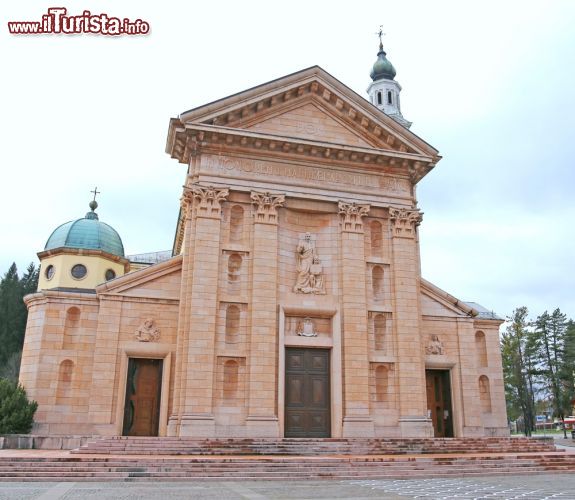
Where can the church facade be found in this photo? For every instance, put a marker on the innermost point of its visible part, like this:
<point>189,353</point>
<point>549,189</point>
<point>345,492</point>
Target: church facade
<point>293,303</point>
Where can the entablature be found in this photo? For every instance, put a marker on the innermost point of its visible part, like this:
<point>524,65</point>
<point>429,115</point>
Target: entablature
<point>191,140</point>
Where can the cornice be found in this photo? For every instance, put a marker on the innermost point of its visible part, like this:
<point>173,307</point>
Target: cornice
<point>137,278</point>
<point>84,252</point>
<point>192,139</point>
<point>315,82</point>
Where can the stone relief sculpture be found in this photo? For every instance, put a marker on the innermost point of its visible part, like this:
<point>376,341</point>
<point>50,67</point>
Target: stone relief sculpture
<point>435,346</point>
<point>306,328</point>
<point>309,268</point>
<point>147,331</point>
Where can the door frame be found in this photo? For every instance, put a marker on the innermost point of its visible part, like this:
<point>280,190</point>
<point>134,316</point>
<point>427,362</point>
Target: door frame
<point>445,376</point>
<point>335,359</point>
<point>457,398</point>
<point>146,351</point>
<point>328,351</point>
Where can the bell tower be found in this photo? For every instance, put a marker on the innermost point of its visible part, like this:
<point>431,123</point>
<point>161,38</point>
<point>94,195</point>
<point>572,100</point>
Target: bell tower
<point>384,91</point>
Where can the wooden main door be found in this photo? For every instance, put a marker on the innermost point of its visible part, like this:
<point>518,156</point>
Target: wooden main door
<point>307,400</point>
<point>439,402</point>
<point>143,390</point>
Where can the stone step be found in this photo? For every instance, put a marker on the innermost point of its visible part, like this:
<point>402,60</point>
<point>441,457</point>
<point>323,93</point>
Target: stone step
<point>142,459</point>
<point>339,474</point>
<point>171,445</point>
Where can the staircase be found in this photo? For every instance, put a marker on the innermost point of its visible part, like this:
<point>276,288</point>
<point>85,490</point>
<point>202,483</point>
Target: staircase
<point>172,459</point>
<point>122,445</point>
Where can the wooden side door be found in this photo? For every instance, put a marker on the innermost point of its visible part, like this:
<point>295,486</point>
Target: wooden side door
<point>438,389</point>
<point>307,393</point>
<point>143,392</point>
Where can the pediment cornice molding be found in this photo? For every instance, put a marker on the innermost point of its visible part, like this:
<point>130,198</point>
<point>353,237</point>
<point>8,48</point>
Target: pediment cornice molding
<point>192,139</point>
<point>252,106</point>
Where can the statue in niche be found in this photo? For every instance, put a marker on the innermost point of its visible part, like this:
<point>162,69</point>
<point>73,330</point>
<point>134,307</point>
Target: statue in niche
<point>309,268</point>
<point>306,328</point>
<point>435,346</point>
<point>147,331</point>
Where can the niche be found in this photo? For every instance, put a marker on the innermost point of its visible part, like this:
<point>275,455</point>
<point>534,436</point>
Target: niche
<point>231,380</point>
<point>232,324</point>
<point>65,374</point>
<point>236,224</point>
<point>71,328</point>
<point>377,282</point>
<point>381,383</point>
<point>379,329</point>
<point>234,269</point>
<point>481,349</point>
<point>376,233</point>
<point>484,394</point>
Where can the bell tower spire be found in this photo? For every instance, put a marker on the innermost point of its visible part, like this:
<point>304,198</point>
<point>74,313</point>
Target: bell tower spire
<point>384,91</point>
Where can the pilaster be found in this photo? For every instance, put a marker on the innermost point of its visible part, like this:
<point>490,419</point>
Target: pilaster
<point>262,407</point>
<point>357,420</point>
<point>200,299</point>
<point>413,418</point>
<point>181,368</point>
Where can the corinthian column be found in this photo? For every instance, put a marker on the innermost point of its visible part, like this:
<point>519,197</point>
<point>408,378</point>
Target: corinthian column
<point>413,419</point>
<point>199,298</point>
<point>262,413</point>
<point>357,420</point>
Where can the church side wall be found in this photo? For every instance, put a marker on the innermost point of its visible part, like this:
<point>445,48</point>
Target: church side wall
<point>122,335</point>
<point>57,360</point>
<point>478,400</point>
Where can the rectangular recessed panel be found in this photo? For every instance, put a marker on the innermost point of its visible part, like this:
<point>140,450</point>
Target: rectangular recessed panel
<point>295,361</point>
<point>295,390</point>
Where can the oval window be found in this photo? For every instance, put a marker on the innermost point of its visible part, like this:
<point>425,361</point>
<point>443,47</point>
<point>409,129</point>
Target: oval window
<point>110,274</point>
<point>79,271</point>
<point>49,273</point>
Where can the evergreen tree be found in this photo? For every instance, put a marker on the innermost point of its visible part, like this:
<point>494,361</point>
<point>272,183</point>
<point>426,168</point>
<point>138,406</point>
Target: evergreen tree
<point>568,368</point>
<point>517,356</point>
<point>554,367</point>
<point>13,311</point>
<point>16,412</point>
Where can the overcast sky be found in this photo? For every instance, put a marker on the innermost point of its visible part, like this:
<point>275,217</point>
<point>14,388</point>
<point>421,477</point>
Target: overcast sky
<point>490,84</point>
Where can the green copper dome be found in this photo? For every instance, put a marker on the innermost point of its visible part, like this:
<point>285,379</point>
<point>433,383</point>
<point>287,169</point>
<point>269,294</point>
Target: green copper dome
<point>382,68</point>
<point>87,233</point>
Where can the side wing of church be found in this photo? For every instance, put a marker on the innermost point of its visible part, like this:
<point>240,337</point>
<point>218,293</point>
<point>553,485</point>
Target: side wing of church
<point>293,305</point>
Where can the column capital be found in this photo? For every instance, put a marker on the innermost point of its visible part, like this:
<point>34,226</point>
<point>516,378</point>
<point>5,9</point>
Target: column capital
<point>351,215</point>
<point>207,199</point>
<point>405,221</point>
<point>266,205</point>
<point>187,204</point>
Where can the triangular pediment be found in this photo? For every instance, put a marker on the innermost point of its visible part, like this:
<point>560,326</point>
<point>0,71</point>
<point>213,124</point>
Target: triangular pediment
<point>310,121</point>
<point>159,281</point>
<point>312,105</point>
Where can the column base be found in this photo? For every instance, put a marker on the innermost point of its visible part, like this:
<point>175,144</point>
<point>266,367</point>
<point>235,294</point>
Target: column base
<point>200,426</point>
<point>414,426</point>
<point>358,427</point>
<point>173,426</point>
<point>262,427</point>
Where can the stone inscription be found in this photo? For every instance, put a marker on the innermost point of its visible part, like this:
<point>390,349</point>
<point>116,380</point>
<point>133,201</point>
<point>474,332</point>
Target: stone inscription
<point>314,174</point>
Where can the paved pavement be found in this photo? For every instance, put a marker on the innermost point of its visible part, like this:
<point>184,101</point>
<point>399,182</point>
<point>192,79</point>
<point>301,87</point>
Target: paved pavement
<point>533,487</point>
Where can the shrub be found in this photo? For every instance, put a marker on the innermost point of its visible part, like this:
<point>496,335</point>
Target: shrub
<point>16,412</point>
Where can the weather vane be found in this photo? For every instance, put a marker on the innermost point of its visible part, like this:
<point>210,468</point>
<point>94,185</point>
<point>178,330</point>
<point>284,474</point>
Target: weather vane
<point>95,193</point>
